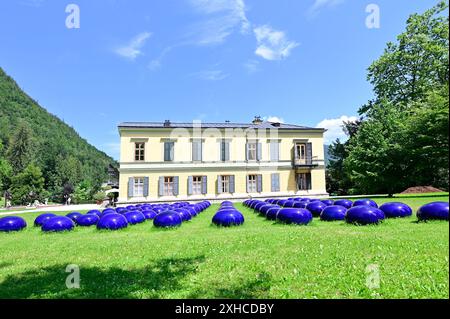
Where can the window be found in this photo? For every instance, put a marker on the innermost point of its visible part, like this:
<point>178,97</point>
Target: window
<point>304,181</point>
<point>168,186</point>
<point>197,151</point>
<point>196,185</point>
<point>225,184</point>
<point>169,151</point>
<point>251,184</point>
<point>139,151</point>
<point>224,151</point>
<point>274,151</point>
<point>252,151</point>
<point>138,189</point>
<point>300,153</point>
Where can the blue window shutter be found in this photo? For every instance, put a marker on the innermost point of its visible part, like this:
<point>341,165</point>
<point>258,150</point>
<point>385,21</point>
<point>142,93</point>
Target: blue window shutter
<point>259,183</point>
<point>308,181</point>
<point>274,151</point>
<point>227,151</point>
<point>222,151</point>
<point>131,187</point>
<point>161,186</point>
<point>248,184</point>
<point>258,151</point>
<point>166,152</point>
<point>176,188</point>
<point>275,182</point>
<point>246,151</point>
<point>219,184</point>
<point>232,184</point>
<point>309,153</point>
<point>205,185</point>
<point>190,182</point>
<point>146,186</point>
<point>172,151</point>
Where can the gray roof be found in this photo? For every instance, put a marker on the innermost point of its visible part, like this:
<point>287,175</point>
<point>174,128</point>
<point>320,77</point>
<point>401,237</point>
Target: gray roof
<point>263,125</point>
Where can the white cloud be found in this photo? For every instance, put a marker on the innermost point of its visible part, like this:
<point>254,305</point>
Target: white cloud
<point>252,66</point>
<point>211,75</point>
<point>273,44</point>
<point>274,119</point>
<point>321,4</point>
<point>334,127</point>
<point>224,17</point>
<point>133,49</point>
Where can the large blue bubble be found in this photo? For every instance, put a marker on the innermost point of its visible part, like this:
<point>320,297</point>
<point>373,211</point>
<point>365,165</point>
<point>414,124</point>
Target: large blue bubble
<point>433,211</point>
<point>167,219</point>
<point>316,207</point>
<point>365,202</point>
<point>228,218</point>
<point>149,213</point>
<point>272,213</point>
<point>328,202</point>
<point>395,209</point>
<point>112,222</point>
<point>332,213</point>
<point>74,216</point>
<point>58,224</point>
<point>95,212</point>
<point>12,223</point>
<point>87,220</point>
<point>364,215</point>
<point>134,217</point>
<point>298,216</point>
<point>344,202</point>
<point>41,219</point>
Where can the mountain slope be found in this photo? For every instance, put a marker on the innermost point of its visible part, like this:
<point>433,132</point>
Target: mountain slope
<point>54,138</point>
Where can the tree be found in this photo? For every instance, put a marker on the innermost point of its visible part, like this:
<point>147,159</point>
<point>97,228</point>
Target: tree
<point>403,137</point>
<point>426,140</point>
<point>28,186</point>
<point>416,64</point>
<point>21,148</point>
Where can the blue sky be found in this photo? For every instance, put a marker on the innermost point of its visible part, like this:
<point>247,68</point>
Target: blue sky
<point>211,60</point>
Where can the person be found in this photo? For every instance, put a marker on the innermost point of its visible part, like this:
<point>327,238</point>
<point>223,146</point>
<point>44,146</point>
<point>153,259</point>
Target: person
<point>8,198</point>
<point>69,199</point>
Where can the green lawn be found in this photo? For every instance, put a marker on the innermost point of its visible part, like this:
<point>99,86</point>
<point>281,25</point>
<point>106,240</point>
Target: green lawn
<point>261,259</point>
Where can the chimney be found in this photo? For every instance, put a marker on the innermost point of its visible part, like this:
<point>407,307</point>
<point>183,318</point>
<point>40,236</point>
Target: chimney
<point>167,123</point>
<point>257,120</point>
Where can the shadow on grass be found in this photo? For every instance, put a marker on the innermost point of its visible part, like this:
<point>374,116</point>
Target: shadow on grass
<point>252,289</point>
<point>155,280</point>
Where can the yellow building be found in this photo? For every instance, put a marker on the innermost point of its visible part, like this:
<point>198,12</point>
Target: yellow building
<point>216,161</point>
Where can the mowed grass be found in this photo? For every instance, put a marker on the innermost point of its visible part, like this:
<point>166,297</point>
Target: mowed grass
<point>260,259</point>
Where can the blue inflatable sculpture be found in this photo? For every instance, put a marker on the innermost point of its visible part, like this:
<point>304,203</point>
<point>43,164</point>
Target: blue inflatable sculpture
<point>328,202</point>
<point>149,214</point>
<point>272,213</point>
<point>316,208</point>
<point>12,223</point>
<point>365,202</point>
<point>41,219</point>
<point>112,222</point>
<point>364,215</point>
<point>344,202</point>
<point>167,219</point>
<point>394,210</point>
<point>74,216</point>
<point>433,211</point>
<point>58,224</point>
<point>298,216</point>
<point>228,218</point>
<point>332,213</point>
<point>95,212</point>
<point>87,220</point>
<point>134,217</point>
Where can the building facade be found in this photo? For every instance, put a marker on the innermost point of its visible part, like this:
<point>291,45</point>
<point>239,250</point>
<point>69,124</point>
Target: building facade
<point>166,162</point>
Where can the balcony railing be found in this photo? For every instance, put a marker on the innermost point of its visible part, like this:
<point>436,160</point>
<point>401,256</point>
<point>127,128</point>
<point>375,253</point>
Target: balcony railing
<point>306,162</point>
